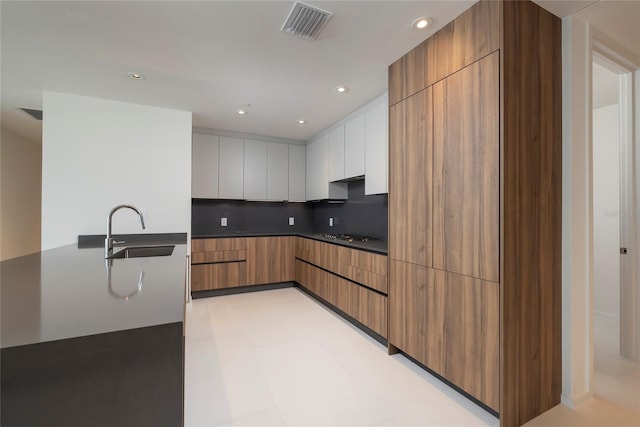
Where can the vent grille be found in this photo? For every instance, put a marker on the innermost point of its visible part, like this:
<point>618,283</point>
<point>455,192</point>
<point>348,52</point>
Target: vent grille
<point>36,114</point>
<point>306,21</point>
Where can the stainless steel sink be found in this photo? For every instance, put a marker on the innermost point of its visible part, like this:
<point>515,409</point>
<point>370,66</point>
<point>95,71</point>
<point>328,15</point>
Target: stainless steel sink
<point>143,251</point>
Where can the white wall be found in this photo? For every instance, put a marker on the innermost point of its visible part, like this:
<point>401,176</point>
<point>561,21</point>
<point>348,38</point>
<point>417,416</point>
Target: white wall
<point>606,204</point>
<point>576,213</point>
<point>577,221</point>
<point>99,153</point>
<point>20,195</point>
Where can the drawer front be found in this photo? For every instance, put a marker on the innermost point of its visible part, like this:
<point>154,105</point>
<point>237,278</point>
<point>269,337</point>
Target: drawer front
<point>363,267</point>
<point>218,276</point>
<point>218,256</point>
<point>215,245</point>
<point>364,305</point>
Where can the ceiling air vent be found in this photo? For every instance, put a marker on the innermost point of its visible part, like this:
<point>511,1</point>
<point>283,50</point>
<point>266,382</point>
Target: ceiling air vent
<point>36,114</point>
<point>306,21</point>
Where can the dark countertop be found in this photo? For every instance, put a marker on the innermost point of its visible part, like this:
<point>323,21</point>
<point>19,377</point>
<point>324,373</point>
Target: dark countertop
<point>375,246</point>
<point>64,293</point>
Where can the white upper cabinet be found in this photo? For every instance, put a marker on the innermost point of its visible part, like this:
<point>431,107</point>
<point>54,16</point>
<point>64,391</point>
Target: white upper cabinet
<point>204,166</point>
<point>234,168</point>
<point>376,149</point>
<point>255,170</point>
<point>277,171</point>
<point>318,185</point>
<point>231,168</point>
<point>336,154</point>
<point>318,168</point>
<point>354,135</point>
<point>297,178</point>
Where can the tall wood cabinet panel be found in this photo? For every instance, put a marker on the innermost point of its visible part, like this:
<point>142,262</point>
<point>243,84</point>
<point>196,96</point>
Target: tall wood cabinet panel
<point>532,214</point>
<point>410,181</point>
<point>468,38</point>
<point>470,333</point>
<point>466,182</point>
<point>491,301</point>
<point>409,74</point>
<point>408,302</point>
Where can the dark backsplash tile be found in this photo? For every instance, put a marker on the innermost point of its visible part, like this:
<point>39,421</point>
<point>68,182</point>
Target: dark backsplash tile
<point>360,214</point>
<point>248,217</point>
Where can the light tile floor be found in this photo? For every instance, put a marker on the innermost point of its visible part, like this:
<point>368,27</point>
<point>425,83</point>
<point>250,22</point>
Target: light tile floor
<point>279,358</point>
<point>616,379</point>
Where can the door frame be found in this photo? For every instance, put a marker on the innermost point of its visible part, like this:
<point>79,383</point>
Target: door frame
<point>609,54</point>
<point>579,38</point>
<point>604,52</point>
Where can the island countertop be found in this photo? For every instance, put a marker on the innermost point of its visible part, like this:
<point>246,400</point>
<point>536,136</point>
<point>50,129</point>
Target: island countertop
<point>65,293</point>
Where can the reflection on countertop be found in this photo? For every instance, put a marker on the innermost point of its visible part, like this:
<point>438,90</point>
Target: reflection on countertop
<point>66,293</point>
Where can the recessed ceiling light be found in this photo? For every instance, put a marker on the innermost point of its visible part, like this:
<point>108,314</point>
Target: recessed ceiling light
<point>421,23</point>
<point>301,122</point>
<point>342,89</point>
<point>241,112</point>
<point>136,76</point>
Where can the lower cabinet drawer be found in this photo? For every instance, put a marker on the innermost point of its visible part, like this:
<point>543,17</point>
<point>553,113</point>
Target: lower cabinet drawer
<point>218,276</point>
<point>366,306</point>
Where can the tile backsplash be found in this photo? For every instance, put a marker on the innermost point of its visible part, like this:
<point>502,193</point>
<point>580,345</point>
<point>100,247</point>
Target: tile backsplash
<point>360,214</point>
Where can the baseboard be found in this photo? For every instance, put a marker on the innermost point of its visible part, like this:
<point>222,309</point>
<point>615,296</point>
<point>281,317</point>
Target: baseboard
<point>574,402</point>
<point>241,290</point>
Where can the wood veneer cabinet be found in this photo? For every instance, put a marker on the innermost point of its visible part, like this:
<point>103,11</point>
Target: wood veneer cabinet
<point>270,259</point>
<point>364,305</point>
<point>476,295</point>
<point>240,261</point>
<point>410,180</point>
<point>466,184</point>
<point>364,267</point>
<point>352,280</point>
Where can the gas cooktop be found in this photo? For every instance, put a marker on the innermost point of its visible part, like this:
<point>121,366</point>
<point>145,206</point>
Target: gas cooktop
<point>349,237</point>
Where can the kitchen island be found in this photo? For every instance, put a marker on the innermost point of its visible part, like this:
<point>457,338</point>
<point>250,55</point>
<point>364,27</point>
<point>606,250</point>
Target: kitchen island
<point>87,341</point>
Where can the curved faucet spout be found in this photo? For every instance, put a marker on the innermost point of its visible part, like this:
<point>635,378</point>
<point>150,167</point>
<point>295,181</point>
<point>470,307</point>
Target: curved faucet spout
<point>108,241</point>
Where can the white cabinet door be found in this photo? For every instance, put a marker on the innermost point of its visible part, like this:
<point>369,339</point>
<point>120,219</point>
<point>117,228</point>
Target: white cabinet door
<point>354,147</point>
<point>277,171</point>
<point>336,154</point>
<point>317,169</point>
<point>255,170</point>
<point>376,150</point>
<point>231,168</point>
<point>297,172</point>
<point>204,166</point>
<point>318,185</point>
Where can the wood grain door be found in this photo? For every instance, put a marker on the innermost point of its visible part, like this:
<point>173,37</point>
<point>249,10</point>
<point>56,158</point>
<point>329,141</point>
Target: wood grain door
<point>270,260</point>
<point>466,323</point>
<point>410,179</point>
<point>466,184</point>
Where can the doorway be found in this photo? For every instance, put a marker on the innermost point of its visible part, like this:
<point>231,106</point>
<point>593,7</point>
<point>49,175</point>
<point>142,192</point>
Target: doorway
<point>616,371</point>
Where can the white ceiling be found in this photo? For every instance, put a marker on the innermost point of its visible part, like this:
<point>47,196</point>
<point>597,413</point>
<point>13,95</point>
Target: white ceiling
<point>209,57</point>
<point>619,20</point>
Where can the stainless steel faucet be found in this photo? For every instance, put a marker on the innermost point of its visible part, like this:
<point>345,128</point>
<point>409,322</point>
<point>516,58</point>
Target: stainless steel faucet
<point>108,241</point>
